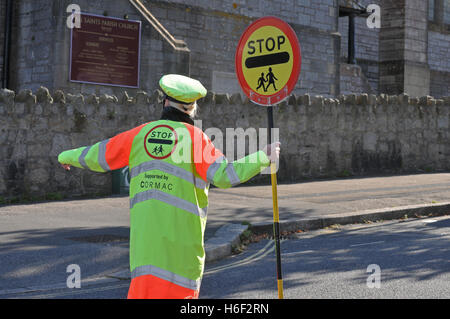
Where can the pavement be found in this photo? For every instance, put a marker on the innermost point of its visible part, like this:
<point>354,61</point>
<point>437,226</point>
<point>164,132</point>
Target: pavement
<point>318,204</point>
<point>41,239</point>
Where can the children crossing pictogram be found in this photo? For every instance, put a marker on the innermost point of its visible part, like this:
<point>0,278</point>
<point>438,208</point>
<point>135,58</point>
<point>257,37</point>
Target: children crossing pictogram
<point>261,82</point>
<point>270,77</point>
<point>160,142</point>
<point>158,150</point>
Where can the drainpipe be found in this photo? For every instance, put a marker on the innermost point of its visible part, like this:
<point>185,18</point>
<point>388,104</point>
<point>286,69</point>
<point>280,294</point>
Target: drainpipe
<point>7,43</point>
<point>351,39</point>
<point>439,12</point>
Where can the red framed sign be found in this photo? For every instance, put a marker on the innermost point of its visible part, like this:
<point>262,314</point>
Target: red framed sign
<point>268,61</point>
<point>160,142</point>
<point>106,51</point>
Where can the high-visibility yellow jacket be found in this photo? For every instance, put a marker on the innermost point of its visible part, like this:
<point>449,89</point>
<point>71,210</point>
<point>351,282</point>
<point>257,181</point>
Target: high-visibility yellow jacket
<point>171,166</point>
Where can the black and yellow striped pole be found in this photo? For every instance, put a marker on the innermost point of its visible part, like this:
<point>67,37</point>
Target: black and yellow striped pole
<point>258,64</point>
<point>276,217</point>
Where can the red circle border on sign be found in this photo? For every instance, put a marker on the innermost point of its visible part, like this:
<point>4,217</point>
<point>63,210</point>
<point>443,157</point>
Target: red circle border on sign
<point>173,149</point>
<point>278,97</point>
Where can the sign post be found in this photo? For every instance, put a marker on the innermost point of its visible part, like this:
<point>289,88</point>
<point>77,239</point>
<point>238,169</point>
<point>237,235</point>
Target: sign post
<point>268,62</point>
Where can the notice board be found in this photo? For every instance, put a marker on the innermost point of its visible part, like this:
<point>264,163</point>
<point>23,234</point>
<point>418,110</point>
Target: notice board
<point>106,51</point>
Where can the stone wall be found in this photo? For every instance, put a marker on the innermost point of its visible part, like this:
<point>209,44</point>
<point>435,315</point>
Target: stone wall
<point>353,80</point>
<point>367,46</point>
<point>36,128</point>
<point>408,54</point>
<point>42,41</point>
<point>212,30</point>
<point>2,36</point>
<point>439,51</point>
<point>439,62</point>
<point>314,13</point>
<point>440,83</point>
<point>32,55</point>
<point>322,137</point>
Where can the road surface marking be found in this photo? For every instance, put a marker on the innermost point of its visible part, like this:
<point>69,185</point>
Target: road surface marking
<point>298,252</point>
<point>429,221</point>
<point>365,244</point>
<point>262,253</point>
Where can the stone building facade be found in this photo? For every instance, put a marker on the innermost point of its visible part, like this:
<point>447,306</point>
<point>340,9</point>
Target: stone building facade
<point>408,53</point>
<point>322,137</point>
<point>342,119</point>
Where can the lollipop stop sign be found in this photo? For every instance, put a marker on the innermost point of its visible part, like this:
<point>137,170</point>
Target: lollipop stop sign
<point>268,61</point>
<point>267,65</point>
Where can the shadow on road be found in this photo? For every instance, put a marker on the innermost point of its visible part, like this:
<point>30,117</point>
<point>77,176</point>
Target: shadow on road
<point>411,250</point>
<point>40,257</point>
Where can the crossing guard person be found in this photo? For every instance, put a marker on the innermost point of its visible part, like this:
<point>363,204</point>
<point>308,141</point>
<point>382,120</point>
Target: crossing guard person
<point>169,196</point>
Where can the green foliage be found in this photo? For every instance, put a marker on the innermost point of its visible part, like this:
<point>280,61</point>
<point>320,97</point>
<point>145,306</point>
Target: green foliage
<point>54,196</point>
<point>344,173</point>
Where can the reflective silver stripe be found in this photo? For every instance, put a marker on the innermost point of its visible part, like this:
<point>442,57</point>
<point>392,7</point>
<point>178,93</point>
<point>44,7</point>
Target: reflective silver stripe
<point>203,211</point>
<point>232,175</point>
<point>212,169</point>
<point>82,157</point>
<point>102,155</point>
<point>170,169</point>
<point>168,199</point>
<point>200,183</point>
<point>166,275</point>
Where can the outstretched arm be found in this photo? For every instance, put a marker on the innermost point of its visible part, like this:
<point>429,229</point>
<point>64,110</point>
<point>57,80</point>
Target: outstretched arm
<point>216,169</point>
<point>103,156</point>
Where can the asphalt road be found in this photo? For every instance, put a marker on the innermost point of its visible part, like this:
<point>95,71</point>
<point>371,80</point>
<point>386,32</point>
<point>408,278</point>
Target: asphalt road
<point>413,257</point>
